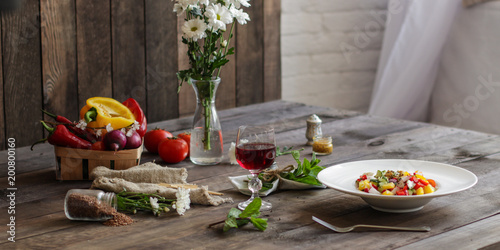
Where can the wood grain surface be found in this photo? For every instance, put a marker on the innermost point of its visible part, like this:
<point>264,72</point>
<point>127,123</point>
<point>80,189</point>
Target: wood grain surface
<point>58,27</point>
<point>22,77</point>
<point>57,54</point>
<point>464,220</point>
<point>127,30</point>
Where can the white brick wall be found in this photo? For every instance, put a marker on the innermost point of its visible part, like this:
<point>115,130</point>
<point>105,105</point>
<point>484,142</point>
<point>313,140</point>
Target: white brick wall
<point>330,51</point>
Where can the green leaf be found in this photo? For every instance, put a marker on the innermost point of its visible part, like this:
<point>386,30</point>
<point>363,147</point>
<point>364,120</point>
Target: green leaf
<point>259,223</point>
<point>253,209</point>
<point>234,213</point>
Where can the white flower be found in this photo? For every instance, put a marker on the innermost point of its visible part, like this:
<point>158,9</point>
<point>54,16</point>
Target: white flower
<point>109,128</point>
<point>154,204</point>
<point>205,2</point>
<point>135,126</point>
<point>81,124</point>
<point>187,2</point>
<point>241,16</point>
<point>238,3</point>
<point>179,9</point>
<point>223,44</point>
<point>232,153</point>
<point>195,29</point>
<point>218,16</point>
<point>183,202</point>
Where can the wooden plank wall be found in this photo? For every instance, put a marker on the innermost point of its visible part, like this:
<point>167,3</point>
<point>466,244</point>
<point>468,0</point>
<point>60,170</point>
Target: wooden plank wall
<point>57,53</point>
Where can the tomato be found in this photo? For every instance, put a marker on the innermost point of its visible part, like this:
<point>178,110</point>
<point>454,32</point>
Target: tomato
<point>153,138</point>
<point>173,150</point>
<point>98,145</point>
<point>186,136</point>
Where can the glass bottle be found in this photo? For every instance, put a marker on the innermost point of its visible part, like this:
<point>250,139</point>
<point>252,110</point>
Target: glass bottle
<point>89,205</point>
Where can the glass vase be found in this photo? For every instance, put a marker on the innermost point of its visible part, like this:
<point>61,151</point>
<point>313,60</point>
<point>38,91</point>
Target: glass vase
<point>206,136</point>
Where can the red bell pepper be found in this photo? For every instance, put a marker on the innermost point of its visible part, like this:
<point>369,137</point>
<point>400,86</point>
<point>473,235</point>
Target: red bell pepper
<point>136,110</point>
<point>61,136</point>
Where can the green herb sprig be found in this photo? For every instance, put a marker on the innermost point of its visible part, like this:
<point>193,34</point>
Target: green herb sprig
<point>306,172</point>
<point>237,218</point>
<point>286,150</point>
<point>133,202</point>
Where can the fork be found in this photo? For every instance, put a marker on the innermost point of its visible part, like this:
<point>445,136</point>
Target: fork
<point>348,229</point>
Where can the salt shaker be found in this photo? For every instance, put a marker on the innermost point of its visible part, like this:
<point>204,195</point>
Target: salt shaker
<point>89,205</point>
<point>313,128</point>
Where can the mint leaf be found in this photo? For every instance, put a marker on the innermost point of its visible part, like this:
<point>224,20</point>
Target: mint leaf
<point>234,213</point>
<point>259,223</point>
<point>237,218</point>
<point>253,209</point>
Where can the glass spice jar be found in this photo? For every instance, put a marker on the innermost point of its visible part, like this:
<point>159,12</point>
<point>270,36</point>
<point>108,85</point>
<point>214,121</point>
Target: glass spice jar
<point>322,145</point>
<point>89,205</point>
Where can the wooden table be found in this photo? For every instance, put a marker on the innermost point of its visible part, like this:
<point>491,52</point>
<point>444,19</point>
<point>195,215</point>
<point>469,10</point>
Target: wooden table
<point>465,220</point>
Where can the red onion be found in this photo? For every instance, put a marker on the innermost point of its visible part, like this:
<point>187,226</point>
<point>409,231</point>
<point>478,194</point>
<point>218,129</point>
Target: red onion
<point>115,140</point>
<point>133,141</point>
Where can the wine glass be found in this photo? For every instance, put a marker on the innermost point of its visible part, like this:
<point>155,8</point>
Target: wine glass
<point>255,151</point>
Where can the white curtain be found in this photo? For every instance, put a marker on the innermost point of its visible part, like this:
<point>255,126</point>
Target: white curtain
<point>415,33</point>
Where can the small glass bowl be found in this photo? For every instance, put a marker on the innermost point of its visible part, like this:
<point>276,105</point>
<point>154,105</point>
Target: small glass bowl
<point>322,145</point>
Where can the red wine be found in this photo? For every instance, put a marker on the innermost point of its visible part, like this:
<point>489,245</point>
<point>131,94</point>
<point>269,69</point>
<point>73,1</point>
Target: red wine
<point>255,156</point>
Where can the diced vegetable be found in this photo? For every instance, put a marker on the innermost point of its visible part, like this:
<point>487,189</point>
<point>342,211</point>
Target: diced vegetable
<point>420,191</point>
<point>428,189</point>
<point>388,182</point>
<point>387,192</point>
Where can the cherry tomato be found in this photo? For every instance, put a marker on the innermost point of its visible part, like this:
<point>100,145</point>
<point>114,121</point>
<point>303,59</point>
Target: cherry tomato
<point>98,145</point>
<point>186,136</point>
<point>153,138</point>
<point>173,150</point>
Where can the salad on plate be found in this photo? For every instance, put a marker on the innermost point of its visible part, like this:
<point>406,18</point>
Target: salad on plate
<point>389,182</point>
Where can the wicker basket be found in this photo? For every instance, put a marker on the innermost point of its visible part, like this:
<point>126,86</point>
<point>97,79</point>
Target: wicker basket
<point>77,164</point>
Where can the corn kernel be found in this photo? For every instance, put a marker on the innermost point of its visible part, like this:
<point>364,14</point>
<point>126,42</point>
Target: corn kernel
<point>420,191</point>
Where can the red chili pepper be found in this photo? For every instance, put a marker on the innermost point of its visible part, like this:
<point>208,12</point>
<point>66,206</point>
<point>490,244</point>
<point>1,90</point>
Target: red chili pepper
<point>136,110</point>
<point>61,136</point>
<point>83,133</point>
<point>58,118</point>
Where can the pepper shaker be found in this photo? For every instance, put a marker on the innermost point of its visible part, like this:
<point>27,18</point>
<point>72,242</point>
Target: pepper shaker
<point>313,128</point>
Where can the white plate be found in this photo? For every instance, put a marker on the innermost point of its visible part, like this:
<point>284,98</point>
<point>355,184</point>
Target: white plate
<point>241,183</point>
<point>449,179</point>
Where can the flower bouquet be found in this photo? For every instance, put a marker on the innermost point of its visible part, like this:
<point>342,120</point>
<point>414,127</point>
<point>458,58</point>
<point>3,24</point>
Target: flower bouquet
<point>205,23</point>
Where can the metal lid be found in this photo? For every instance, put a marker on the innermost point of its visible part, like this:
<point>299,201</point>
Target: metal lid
<point>313,119</point>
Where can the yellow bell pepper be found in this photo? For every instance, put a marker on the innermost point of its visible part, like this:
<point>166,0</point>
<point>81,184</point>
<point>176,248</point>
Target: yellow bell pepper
<point>101,111</point>
<point>364,184</point>
<point>387,192</point>
<point>428,189</point>
<point>389,185</point>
